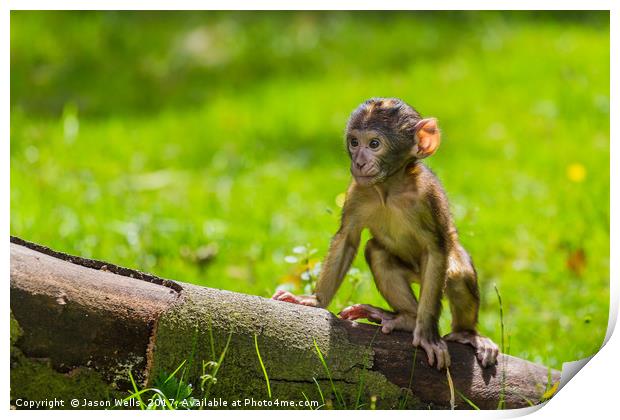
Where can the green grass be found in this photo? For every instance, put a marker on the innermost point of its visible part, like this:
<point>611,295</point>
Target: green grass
<point>402,403</point>
<point>204,147</point>
<point>336,392</point>
<point>174,392</point>
<point>262,366</point>
<point>501,404</point>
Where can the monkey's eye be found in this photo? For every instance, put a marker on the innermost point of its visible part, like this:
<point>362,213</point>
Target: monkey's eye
<point>354,142</point>
<point>374,143</point>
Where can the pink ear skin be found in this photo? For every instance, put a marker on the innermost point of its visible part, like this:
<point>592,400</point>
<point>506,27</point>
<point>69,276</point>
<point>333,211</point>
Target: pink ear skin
<point>427,136</point>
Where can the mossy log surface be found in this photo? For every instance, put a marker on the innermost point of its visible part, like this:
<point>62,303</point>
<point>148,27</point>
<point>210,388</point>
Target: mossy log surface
<point>77,318</point>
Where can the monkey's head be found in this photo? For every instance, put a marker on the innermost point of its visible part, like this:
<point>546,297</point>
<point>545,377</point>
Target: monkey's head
<point>385,134</point>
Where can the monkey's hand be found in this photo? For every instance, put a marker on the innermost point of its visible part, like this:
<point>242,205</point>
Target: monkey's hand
<point>486,350</point>
<point>435,347</point>
<point>284,296</point>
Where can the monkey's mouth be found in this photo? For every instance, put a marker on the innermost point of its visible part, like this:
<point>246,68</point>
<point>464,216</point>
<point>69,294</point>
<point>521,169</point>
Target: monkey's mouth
<point>368,173</point>
<point>365,179</point>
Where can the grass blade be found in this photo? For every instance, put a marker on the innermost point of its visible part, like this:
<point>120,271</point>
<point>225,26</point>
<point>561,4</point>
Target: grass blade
<point>320,391</point>
<point>175,371</point>
<point>329,376</point>
<point>136,392</point>
<point>217,366</point>
<point>502,392</point>
<point>222,355</point>
<point>451,386</point>
<point>309,403</point>
<point>262,365</point>
<point>467,400</point>
<point>523,397</point>
<point>403,402</point>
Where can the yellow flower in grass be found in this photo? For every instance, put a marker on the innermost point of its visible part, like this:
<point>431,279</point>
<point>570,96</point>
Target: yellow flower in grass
<point>576,172</point>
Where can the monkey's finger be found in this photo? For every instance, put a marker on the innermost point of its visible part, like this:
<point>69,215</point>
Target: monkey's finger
<point>308,301</point>
<point>352,313</point>
<point>361,311</point>
<point>435,352</point>
<point>439,358</point>
<point>284,295</point>
<point>481,352</point>
<point>443,357</point>
<point>482,356</point>
<point>278,293</point>
<point>431,357</point>
<point>495,352</point>
<point>487,359</point>
<point>428,348</point>
<point>490,356</point>
<point>486,352</point>
<point>287,297</point>
<point>486,355</point>
<point>441,361</point>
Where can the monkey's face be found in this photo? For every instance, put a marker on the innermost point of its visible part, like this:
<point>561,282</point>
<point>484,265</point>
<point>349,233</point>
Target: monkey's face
<point>383,135</point>
<point>369,151</point>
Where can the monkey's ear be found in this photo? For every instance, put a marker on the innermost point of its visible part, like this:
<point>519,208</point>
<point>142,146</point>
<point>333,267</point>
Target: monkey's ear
<point>427,137</point>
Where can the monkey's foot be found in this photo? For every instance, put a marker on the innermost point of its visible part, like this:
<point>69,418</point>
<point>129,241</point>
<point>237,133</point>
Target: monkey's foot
<point>436,349</point>
<point>486,350</point>
<point>284,296</point>
<point>369,312</point>
<point>388,320</point>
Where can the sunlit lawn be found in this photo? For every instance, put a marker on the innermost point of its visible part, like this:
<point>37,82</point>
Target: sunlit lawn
<point>218,190</point>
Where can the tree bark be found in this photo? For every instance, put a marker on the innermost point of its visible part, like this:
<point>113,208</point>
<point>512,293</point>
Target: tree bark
<point>80,316</point>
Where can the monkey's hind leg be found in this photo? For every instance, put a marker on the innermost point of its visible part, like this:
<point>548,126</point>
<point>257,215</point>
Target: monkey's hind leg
<point>393,279</point>
<point>464,298</point>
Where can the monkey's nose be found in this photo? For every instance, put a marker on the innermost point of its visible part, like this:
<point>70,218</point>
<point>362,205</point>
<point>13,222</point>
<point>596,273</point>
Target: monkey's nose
<point>360,165</point>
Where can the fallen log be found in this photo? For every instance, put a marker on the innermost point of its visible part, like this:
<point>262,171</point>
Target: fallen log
<point>79,327</point>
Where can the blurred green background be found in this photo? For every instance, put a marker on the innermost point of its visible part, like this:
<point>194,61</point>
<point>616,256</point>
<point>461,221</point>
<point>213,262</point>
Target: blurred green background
<point>207,147</point>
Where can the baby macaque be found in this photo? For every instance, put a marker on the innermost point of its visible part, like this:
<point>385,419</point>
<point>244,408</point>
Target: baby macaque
<point>414,239</point>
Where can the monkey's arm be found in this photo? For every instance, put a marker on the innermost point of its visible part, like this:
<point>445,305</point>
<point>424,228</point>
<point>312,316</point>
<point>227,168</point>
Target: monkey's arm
<point>342,251</point>
<point>426,333</point>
